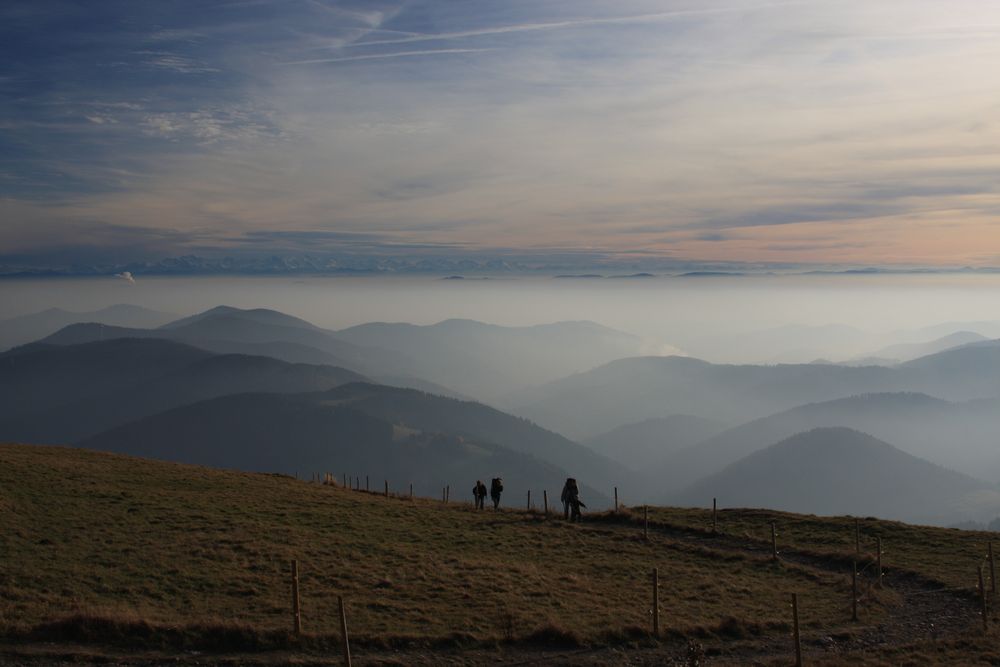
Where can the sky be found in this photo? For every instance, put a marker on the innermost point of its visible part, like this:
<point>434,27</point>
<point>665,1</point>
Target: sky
<point>745,131</point>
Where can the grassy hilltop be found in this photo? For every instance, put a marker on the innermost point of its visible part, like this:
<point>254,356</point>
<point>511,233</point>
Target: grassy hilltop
<point>127,554</point>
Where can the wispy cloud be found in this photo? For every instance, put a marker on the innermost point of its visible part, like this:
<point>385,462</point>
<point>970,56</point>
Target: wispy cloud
<point>381,56</point>
<point>562,25</point>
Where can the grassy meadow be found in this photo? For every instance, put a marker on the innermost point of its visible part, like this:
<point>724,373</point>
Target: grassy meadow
<point>947,556</point>
<point>105,548</point>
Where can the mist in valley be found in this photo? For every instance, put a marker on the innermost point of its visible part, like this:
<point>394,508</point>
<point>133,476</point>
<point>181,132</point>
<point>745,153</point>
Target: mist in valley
<point>661,386</point>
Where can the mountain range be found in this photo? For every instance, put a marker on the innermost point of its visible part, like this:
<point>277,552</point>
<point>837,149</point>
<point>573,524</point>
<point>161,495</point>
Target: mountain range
<point>29,328</point>
<point>630,390</point>
<point>261,390</point>
<point>456,357</point>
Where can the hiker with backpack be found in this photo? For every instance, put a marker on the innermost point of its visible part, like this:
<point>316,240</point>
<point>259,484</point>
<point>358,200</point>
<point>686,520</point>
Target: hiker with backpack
<point>479,493</point>
<point>496,488</point>
<point>571,500</point>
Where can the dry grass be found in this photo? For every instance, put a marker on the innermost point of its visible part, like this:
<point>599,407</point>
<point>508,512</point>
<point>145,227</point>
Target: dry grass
<point>103,545</point>
<point>945,555</point>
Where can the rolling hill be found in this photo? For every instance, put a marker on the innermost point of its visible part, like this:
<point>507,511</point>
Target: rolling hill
<point>649,444</point>
<point>843,471</point>
<point>630,390</point>
<point>901,352</point>
<point>295,433</point>
<point>228,330</point>
<point>29,328</point>
<point>457,357</point>
<point>960,436</point>
<point>521,451</point>
<point>61,394</point>
<point>489,361</point>
<point>437,414</point>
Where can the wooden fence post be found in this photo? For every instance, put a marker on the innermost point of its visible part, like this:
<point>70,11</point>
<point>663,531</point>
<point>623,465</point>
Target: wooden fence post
<point>982,600</point>
<point>296,610</point>
<point>344,643</point>
<point>411,490</point>
<point>528,506</point>
<point>656,602</point>
<point>545,501</point>
<point>795,630</point>
<point>345,478</point>
<point>854,590</point>
<point>857,536</point>
<point>774,543</point>
<point>993,570</point>
<point>367,488</point>
<point>386,488</point>
<point>645,522</point>
<point>714,522</point>
<point>447,493</point>
<point>878,560</point>
<point>616,500</point>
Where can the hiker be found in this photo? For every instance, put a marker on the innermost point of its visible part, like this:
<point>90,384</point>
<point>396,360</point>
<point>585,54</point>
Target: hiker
<point>569,491</point>
<point>479,493</point>
<point>571,500</point>
<point>496,488</point>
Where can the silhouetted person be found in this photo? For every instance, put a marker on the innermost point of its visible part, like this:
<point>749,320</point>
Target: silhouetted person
<point>479,492</point>
<point>571,500</point>
<point>496,488</point>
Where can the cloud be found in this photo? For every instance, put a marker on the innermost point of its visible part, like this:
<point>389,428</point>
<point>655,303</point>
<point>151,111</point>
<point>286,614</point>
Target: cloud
<point>380,56</point>
<point>175,62</point>
<point>734,130</point>
<point>126,276</point>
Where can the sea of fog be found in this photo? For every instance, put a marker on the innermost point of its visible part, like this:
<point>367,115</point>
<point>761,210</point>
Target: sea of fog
<point>737,319</point>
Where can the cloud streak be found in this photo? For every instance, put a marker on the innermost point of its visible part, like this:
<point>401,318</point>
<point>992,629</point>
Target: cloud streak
<point>381,56</point>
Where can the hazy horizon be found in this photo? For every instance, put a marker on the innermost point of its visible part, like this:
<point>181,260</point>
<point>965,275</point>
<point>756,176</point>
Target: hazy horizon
<point>697,316</point>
